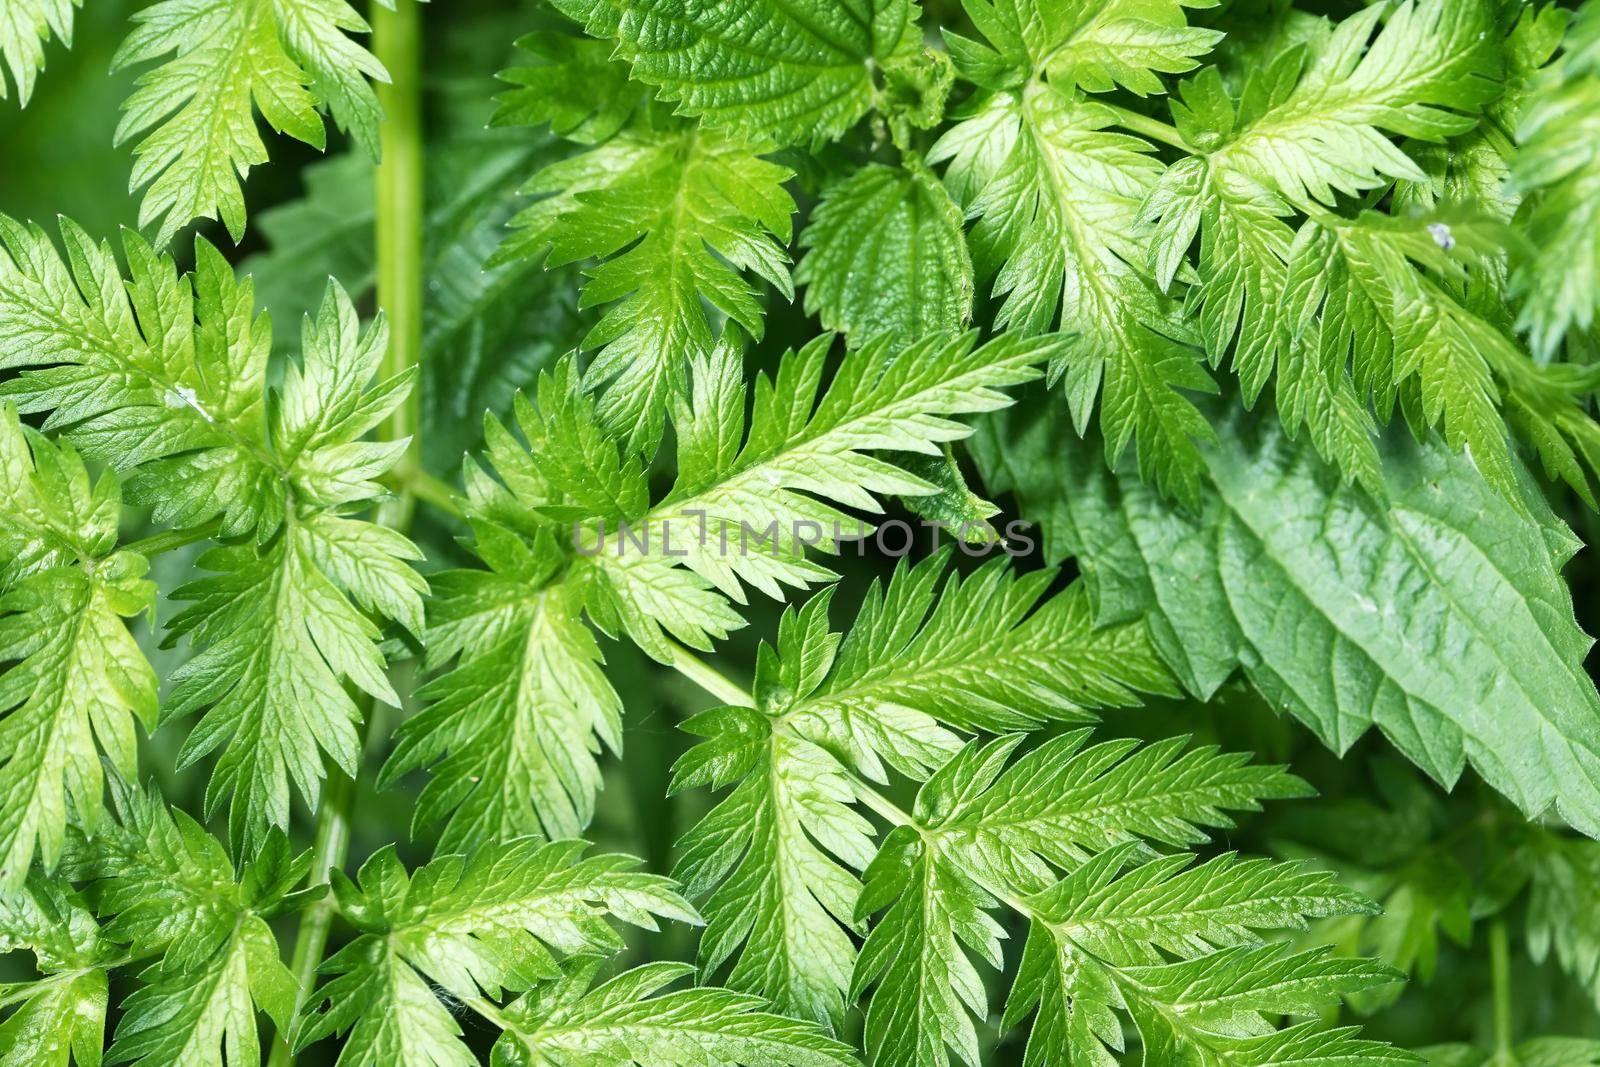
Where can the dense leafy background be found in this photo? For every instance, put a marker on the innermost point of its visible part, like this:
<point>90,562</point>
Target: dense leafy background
<point>1346,241</point>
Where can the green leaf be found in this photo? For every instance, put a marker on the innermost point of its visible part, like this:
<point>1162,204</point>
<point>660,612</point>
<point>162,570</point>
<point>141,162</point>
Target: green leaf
<point>502,919</point>
<point>982,833</point>
<point>795,72</point>
<point>201,1014</point>
<point>1083,44</point>
<point>1313,127</point>
<point>807,449</point>
<point>25,28</point>
<point>60,1017</point>
<point>167,375</point>
<point>1348,315</point>
<point>76,678</point>
<point>764,859</point>
<point>775,858</point>
<point>1059,804</point>
<point>1056,193</point>
<point>277,627</point>
<point>569,529</point>
<point>166,888</point>
<point>509,731</point>
<point>277,638</point>
<point>391,1013</point>
<point>674,215</point>
<point>1557,167</point>
<point>196,112</point>
<point>1256,581</point>
<point>989,652</point>
<point>576,88</point>
<point>887,256</point>
<point>137,374</point>
<point>628,1022</point>
<point>916,954</point>
<point>1473,168</point>
<point>56,1022</point>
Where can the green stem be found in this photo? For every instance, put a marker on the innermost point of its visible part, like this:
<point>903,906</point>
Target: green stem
<point>1154,129</point>
<point>427,488</point>
<point>168,540</point>
<point>327,852</point>
<point>708,677</point>
<point>490,1011</point>
<point>1500,968</point>
<point>879,804</point>
<point>397,42</point>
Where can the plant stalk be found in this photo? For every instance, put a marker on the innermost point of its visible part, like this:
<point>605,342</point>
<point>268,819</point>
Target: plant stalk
<point>397,42</point>
<point>708,677</point>
<point>1500,969</point>
<point>1154,129</point>
<point>327,852</point>
<point>167,540</point>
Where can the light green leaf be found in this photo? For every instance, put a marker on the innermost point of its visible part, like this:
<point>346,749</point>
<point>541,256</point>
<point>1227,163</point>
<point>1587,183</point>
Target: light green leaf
<point>674,215</point>
<point>58,1018</point>
<point>982,833</point>
<point>1056,193</point>
<point>795,72</point>
<point>569,529</point>
<point>167,375</point>
<point>26,27</point>
<point>1096,46</point>
<point>166,888</point>
<point>887,256</point>
<point>196,112</point>
<point>628,1022</point>
<point>76,679</point>
<point>502,919</point>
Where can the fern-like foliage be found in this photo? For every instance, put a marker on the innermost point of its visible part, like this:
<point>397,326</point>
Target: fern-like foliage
<point>531,916</point>
<point>917,848</point>
<point>498,921</point>
<point>513,917</point>
<point>1060,834</point>
<point>25,30</point>
<point>1055,192</point>
<point>166,886</point>
<point>1351,314</point>
<point>679,213</point>
<point>1558,167</point>
<point>920,665</point>
<point>675,212</point>
<point>195,113</point>
<point>165,377</point>
<point>569,530</point>
<point>78,679</point>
